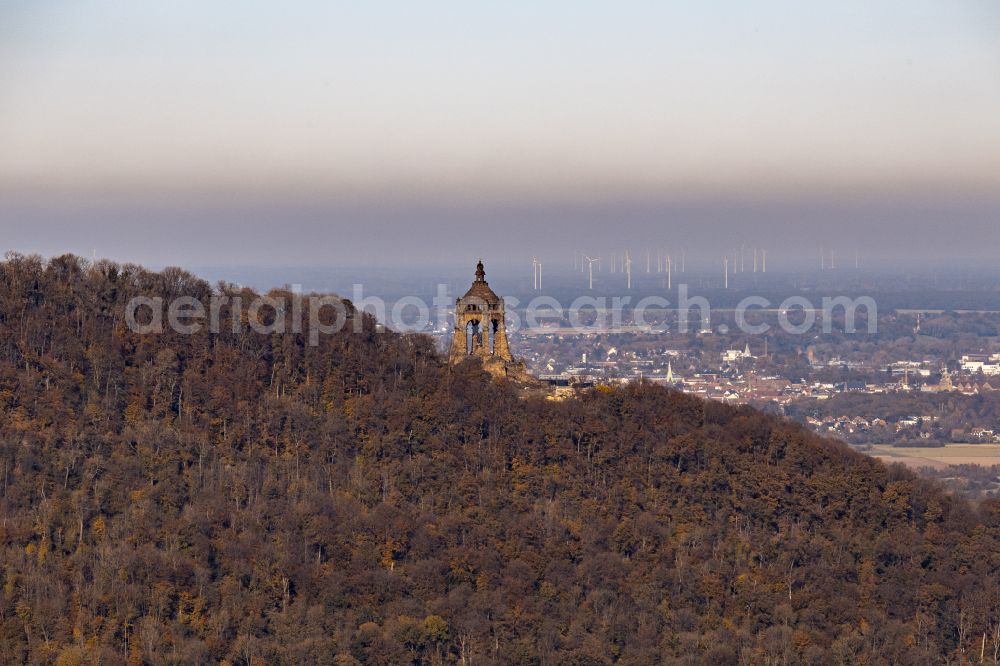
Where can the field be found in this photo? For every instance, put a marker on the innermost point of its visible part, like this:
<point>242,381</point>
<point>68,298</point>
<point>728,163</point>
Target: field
<point>939,458</point>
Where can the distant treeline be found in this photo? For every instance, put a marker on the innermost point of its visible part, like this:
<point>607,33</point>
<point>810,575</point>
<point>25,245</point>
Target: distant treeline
<point>945,416</point>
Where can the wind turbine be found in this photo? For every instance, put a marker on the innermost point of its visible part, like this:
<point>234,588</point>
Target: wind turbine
<point>590,270</point>
<point>534,273</point>
<point>669,267</point>
<point>725,271</point>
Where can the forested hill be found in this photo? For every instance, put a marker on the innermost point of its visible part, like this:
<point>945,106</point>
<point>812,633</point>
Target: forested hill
<point>247,497</point>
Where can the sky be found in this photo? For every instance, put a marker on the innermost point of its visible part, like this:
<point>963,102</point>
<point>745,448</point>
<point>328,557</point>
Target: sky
<point>401,133</point>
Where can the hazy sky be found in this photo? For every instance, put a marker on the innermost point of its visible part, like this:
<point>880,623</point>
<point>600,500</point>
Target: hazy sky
<point>236,132</point>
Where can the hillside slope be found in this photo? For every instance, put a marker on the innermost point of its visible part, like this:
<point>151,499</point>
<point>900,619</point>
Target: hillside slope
<point>251,498</point>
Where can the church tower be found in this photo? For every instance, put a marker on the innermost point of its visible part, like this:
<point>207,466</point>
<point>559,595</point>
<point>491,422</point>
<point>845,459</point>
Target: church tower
<point>479,323</point>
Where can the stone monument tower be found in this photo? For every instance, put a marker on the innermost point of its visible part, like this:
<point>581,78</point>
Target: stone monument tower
<point>479,324</point>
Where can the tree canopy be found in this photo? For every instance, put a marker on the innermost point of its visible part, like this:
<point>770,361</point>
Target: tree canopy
<point>250,498</point>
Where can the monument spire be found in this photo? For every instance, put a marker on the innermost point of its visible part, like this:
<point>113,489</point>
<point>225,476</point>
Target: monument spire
<point>480,329</point>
